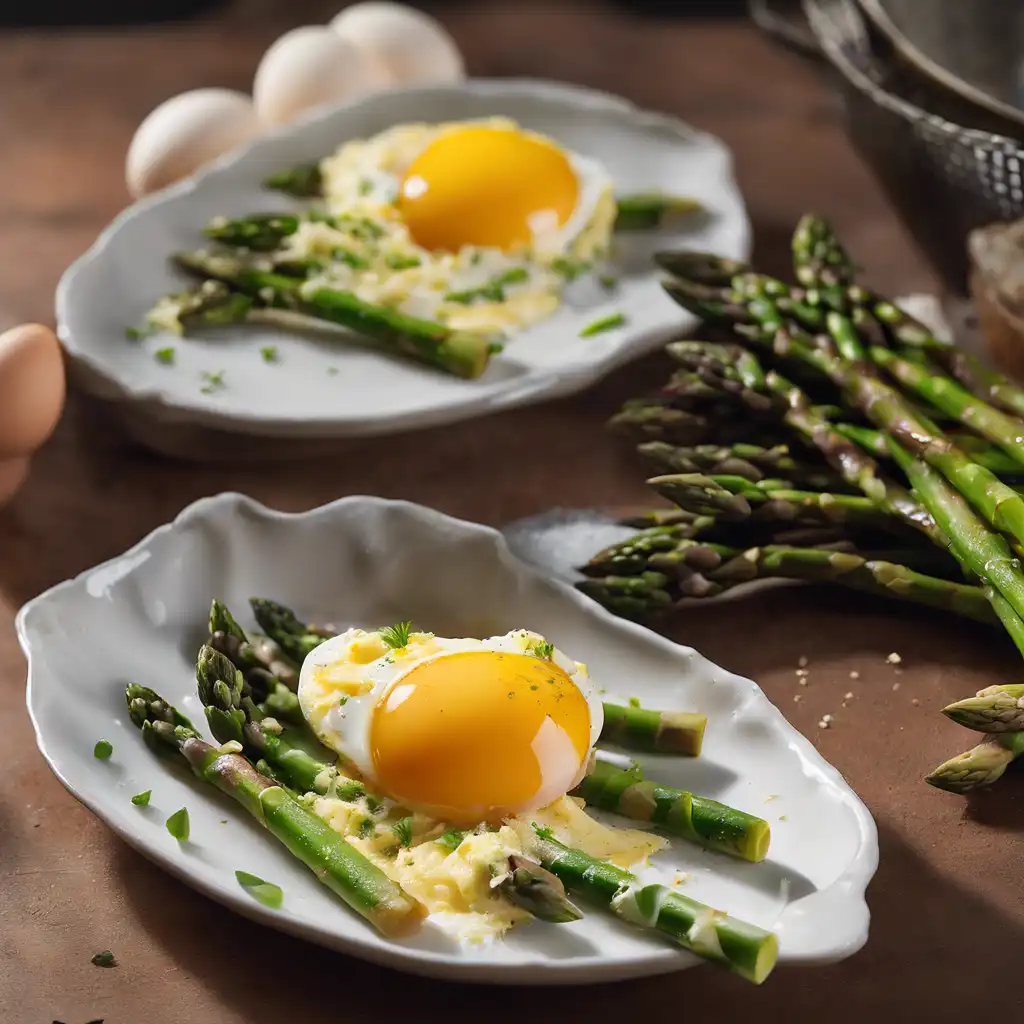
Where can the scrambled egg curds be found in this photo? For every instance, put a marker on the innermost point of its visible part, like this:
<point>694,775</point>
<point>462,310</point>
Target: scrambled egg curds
<point>455,873</point>
<point>466,744</point>
<point>477,225</point>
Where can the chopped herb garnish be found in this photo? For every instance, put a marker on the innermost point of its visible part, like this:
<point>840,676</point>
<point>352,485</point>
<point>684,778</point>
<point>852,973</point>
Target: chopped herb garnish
<point>403,831</point>
<point>570,268</point>
<point>396,636</point>
<point>350,790</point>
<point>398,261</point>
<point>212,381</point>
<point>365,186</point>
<point>542,649</point>
<point>493,291</point>
<point>332,371</point>
<point>267,893</point>
<point>142,799</point>
<point>367,829</point>
<point>102,750</point>
<point>342,701</point>
<point>137,333</point>
<point>605,323</point>
<point>165,355</point>
<point>178,825</point>
<point>351,259</point>
<point>451,840</point>
<point>607,281</point>
<point>543,831</point>
<point>634,702</point>
<point>104,959</point>
<point>374,804</point>
<point>269,353</point>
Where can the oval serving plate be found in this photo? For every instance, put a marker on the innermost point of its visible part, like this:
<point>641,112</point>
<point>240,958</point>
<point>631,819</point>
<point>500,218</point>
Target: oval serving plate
<point>322,389</point>
<point>365,561</point>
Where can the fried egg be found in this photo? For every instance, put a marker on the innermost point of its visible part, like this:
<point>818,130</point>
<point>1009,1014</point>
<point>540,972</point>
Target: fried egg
<point>478,225</point>
<point>462,730</point>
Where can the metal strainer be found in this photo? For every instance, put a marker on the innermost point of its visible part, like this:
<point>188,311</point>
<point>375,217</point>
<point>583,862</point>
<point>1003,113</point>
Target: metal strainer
<point>943,178</point>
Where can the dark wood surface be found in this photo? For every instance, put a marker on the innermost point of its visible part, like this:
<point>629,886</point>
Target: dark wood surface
<point>948,915</point>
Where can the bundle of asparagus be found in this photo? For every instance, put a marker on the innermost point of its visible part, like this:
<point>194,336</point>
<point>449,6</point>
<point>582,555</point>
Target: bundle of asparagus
<point>829,436</point>
<point>268,769</point>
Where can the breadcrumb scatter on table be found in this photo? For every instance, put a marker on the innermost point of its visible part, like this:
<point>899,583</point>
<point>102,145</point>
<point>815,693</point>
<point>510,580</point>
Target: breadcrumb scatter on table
<point>893,659</point>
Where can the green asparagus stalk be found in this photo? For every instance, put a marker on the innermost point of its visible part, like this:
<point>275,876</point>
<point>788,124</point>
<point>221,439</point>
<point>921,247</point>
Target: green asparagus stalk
<point>461,353</point>
<point>1007,432</point>
<point>211,304</point>
<point>699,819</point>
<point>233,716</point>
<point>660,732</point>
<point>335,862</point>
<point>645,211</point>
<point>742,948</point>
<point>537,891</point>
<point>700,267</point>
<point>305,182</point>
<point>697,569</point>
<point>285,629</point>
<point>997,708</point>
<point>977,546</point>
<point>980,766</point>
<point>733,498</point>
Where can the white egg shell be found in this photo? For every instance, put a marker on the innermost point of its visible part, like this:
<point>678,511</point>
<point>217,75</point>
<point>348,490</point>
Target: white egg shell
<point>309,67</point>
<point>414,47</point>
<point>185,132</point>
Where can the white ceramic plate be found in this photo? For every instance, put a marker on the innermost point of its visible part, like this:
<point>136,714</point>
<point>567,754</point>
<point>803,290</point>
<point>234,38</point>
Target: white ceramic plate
<point>326,389</point>
<point>365,561</point>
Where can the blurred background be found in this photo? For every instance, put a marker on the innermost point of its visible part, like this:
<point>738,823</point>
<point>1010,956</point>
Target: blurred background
<point>133,12</point>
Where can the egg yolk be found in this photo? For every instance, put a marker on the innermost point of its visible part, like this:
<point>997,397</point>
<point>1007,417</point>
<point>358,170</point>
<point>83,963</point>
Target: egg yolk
<point>480,735</point>
<point>488,187</point>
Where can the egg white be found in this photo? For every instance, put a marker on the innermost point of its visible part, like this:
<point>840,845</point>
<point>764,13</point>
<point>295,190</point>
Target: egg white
<point>344,679</point>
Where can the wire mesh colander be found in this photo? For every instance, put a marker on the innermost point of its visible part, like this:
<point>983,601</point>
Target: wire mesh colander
<point>943,178</point>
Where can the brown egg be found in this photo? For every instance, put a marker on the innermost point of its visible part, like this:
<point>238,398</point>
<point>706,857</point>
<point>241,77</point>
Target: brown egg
<point>31,388</point>
<point>12,476</point>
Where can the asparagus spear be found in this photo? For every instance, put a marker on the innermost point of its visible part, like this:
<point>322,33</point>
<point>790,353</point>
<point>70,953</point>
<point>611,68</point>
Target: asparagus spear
<point>742,948</point>
<point>701,267</point>
<point>647,210</point>
<point>461,353</point>
<point>336,863</point>
<point>661,732</point>
<point>284,628</point>
<point>733,498</point>
<point>995,709</point>
<point>211,304</point>
<point>697,569</point>
<point>305,182</point>
<point>699,819</point>
<point>1007,432</point>
<point>751,461</point>
<point>232,715</point>
<point>538,891</point>
<point>980,450</point>
<point>980,766</point>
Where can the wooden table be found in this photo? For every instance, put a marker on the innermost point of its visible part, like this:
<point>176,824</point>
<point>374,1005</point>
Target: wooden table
<point>946,888</point>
